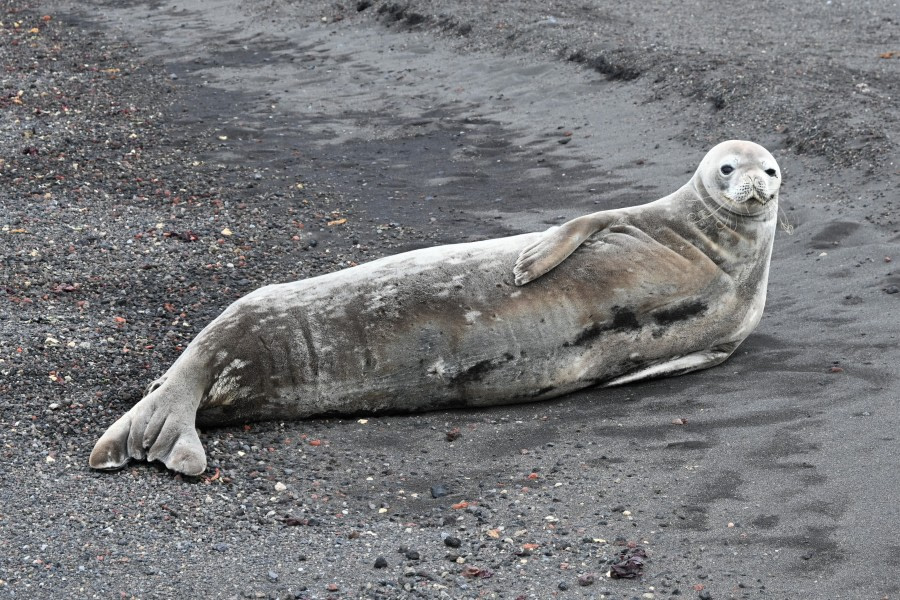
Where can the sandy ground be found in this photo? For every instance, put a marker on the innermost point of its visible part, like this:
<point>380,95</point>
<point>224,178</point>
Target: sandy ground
<point>160,159</point>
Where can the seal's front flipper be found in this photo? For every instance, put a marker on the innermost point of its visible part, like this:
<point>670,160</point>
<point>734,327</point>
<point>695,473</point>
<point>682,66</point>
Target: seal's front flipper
<point>556,245</point>
<point>159,427</point>
<point>679,366</point>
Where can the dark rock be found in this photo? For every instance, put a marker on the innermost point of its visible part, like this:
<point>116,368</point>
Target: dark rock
<point>381,562</point>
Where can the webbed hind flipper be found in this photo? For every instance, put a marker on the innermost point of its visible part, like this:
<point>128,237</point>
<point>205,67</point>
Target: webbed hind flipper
<point>159,427</point>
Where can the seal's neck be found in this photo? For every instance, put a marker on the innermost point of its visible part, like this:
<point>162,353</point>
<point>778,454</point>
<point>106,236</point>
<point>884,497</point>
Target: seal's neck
<point>734,241</point>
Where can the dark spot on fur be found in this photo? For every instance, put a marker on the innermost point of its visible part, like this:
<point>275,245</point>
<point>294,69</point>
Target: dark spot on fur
<point>477,371</point>
<point>589,334</point>
<point>623,320</point>
<point>680,312</point>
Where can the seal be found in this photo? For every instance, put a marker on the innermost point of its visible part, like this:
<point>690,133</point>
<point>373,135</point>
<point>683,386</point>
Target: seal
<point>609,298</point>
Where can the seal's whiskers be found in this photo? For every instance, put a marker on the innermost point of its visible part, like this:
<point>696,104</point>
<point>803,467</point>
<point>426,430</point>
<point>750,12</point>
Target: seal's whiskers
<point>722,223</point>
<point>785,223</point>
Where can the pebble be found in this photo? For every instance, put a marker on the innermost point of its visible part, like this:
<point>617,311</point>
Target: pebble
<point>273,576</point>
<point>705,595</point>
<point>891,289</point>
<point>453,542</point>
<point>586,579</point>
<point>438,491</point>
<point>381,562</point>
<point>412,555</point>
<point>563,586</point>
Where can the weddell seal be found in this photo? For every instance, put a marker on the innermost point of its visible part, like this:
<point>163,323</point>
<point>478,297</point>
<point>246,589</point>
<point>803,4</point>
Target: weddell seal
<point>609,298</point>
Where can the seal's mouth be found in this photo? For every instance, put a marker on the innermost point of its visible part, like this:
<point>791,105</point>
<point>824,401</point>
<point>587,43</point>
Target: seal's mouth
<point>760,196</point>
<point>750,190</point>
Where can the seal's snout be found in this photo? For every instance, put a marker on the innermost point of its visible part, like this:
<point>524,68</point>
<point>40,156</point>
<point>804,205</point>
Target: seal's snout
<point>760,189</point>
<point>750,187</point>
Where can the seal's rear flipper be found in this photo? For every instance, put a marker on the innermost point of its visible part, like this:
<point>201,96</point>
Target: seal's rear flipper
<point>110,452</point>
<point>179,448</point>
<point>159,427</point>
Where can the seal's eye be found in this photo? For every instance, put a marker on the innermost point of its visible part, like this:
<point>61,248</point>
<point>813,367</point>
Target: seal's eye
<point>726,169</point>
<point>771,172</point>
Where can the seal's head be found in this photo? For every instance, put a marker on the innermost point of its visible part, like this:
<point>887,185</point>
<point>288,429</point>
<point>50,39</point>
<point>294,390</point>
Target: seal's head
<point>741,177</point>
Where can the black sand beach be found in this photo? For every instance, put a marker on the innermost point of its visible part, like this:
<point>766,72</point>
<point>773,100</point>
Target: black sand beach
<point>159,160</point>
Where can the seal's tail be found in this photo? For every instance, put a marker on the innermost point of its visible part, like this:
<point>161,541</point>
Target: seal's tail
<point>159,427</point>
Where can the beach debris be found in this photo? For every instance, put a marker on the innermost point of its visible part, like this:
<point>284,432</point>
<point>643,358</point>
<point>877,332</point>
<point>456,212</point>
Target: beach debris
<point>630,565</point>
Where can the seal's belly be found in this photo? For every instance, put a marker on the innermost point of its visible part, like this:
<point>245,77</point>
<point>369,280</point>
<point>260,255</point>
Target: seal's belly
<point>447,327</point>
